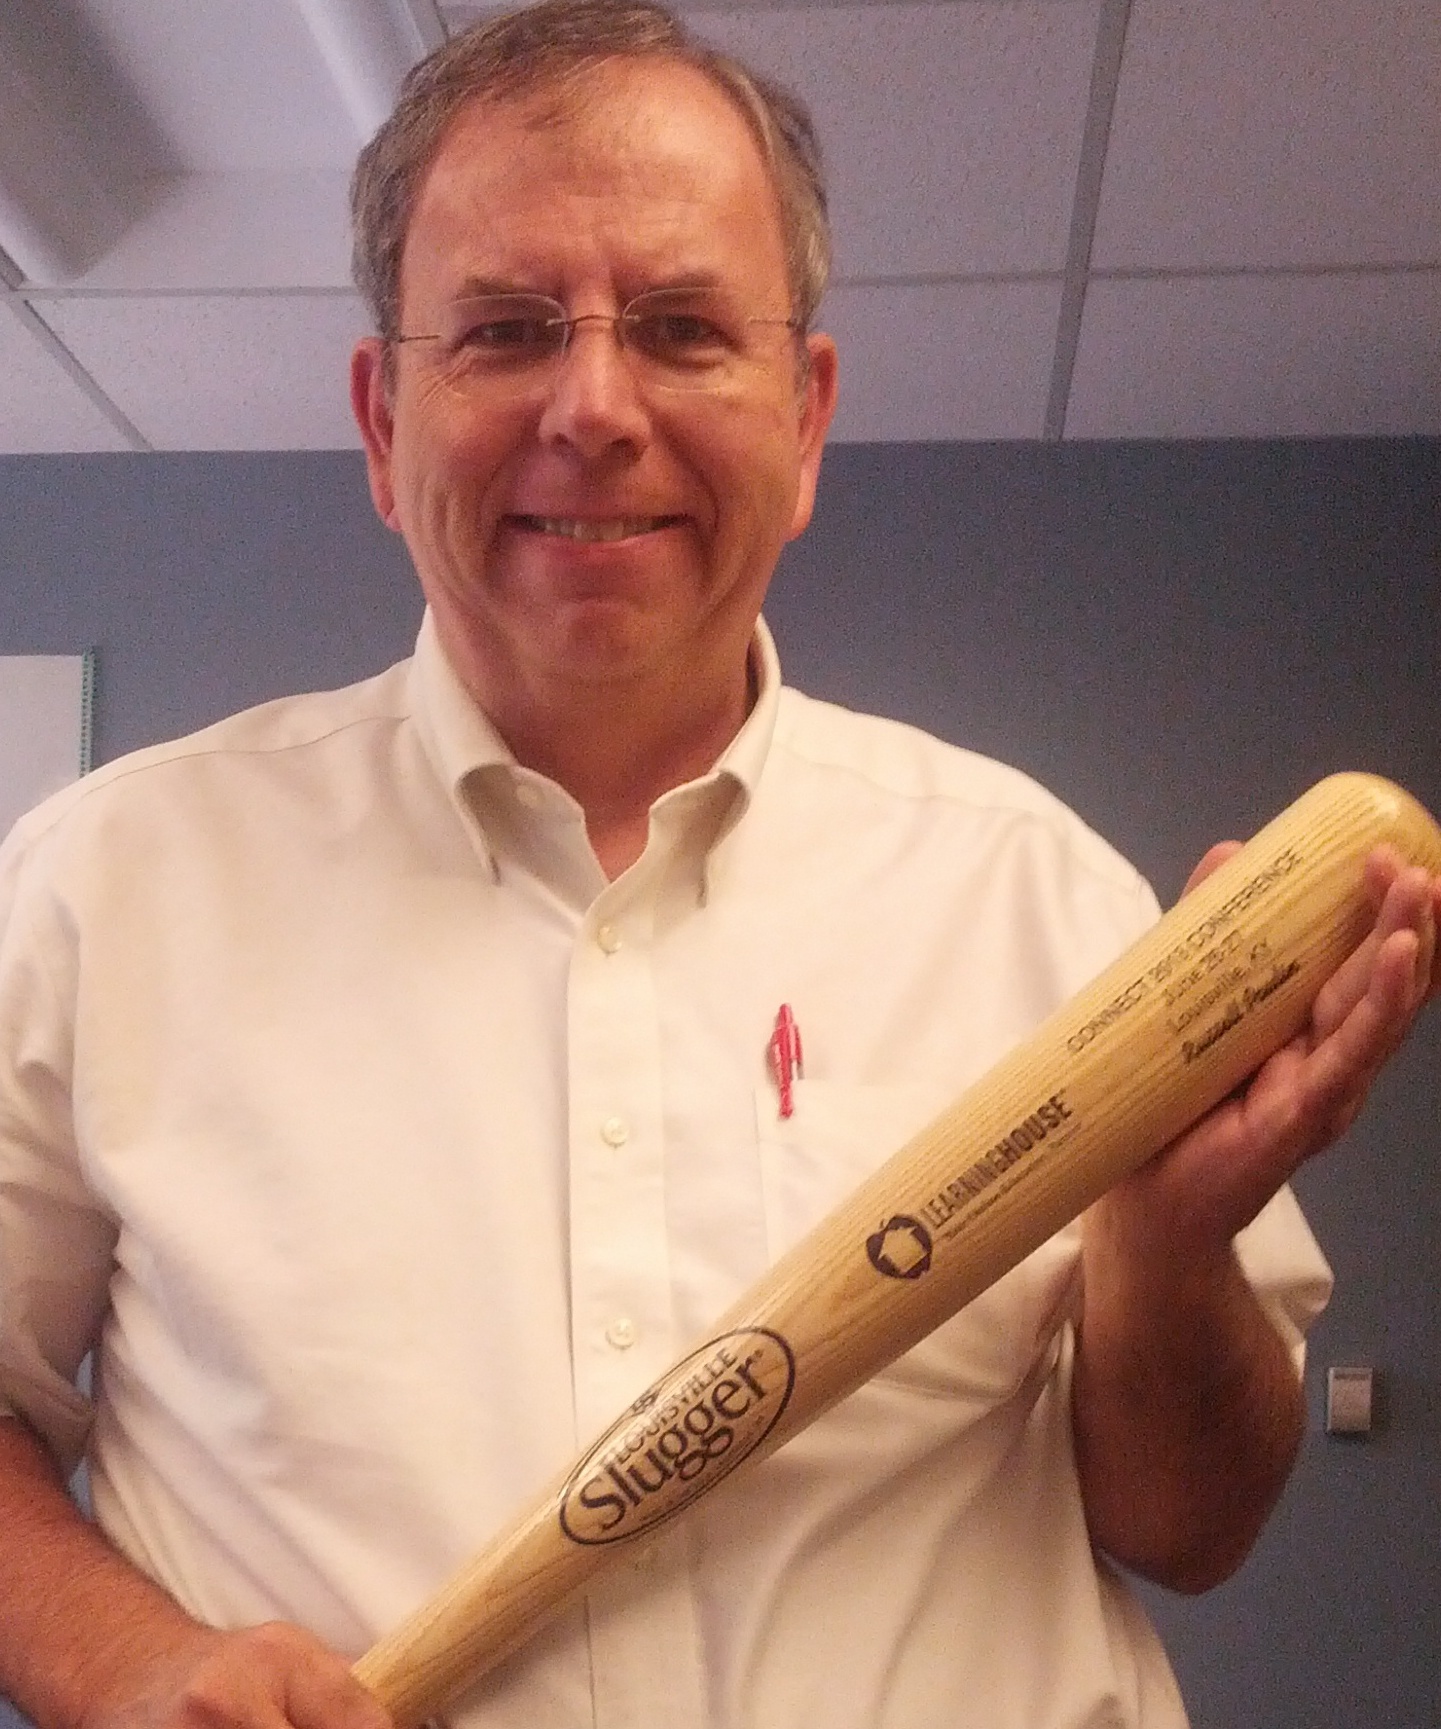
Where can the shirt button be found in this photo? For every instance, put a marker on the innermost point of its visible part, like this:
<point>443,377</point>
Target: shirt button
<point>614,1132</point>
<point>609,938</point>
<point>620,1333</point>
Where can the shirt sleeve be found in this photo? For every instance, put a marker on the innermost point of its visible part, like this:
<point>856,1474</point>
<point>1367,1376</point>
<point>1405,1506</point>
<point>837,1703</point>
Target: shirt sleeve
<point>56,1242</point>
<point>1286,1269</point>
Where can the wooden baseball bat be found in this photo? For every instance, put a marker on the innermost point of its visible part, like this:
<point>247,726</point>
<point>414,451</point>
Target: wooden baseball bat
<point>1163,1034</point>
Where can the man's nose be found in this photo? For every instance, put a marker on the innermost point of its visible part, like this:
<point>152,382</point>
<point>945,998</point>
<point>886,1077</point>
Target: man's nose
<point>595,401</point>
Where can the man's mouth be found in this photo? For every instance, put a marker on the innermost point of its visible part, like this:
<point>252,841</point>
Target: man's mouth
<point>595,529</point>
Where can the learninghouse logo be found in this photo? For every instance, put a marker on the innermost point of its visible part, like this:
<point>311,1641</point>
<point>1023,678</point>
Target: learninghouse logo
<point>901,1249</point>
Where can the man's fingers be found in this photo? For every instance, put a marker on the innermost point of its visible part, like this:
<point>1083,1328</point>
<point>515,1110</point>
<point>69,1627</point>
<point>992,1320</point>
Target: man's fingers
<point>1216,1177</point>
<point>331,1698</point>
<point>1301,1099</point>
<point>1212,859</point>
<point>1406,908</point>
<point>274,1676</point>
<point>1337,1073</point>
<point>312,1687</point>
<point>1429,956</point>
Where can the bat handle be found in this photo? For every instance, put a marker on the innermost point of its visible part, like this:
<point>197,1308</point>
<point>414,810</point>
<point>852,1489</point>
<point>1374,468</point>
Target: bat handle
<point>491,1608</point>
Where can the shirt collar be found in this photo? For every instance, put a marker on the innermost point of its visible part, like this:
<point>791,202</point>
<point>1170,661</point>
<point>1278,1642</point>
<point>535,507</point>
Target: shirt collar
<point>462,742</point>
<point>456,728</point>
<point>744,757</point>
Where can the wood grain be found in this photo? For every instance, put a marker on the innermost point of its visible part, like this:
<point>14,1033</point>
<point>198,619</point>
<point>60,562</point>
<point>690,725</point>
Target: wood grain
<point>1224,979</point>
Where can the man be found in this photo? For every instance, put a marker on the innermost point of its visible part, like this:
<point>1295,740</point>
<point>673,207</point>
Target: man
<point>384,1073</point>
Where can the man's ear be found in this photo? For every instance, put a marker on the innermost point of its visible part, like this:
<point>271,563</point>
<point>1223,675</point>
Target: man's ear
<point>818,404</point>
<point>371,405</point>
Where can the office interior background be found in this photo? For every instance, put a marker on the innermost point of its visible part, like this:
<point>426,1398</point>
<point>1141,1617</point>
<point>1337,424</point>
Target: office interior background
<point>1136,483</point>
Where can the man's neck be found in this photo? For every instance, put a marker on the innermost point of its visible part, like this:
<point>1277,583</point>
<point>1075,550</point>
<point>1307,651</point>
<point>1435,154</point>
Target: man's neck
<point>617,748</point>
<point>616,765</point>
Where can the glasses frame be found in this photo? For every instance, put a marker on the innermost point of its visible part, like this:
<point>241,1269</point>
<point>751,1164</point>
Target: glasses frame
<point>535,372</point>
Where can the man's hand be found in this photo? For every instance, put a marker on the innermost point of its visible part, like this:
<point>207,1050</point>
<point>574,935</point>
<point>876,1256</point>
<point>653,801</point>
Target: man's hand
<point>270,1677</point>
<point>1186,1407</point>
<point>1214,1180</point>
<point>88,1642</point>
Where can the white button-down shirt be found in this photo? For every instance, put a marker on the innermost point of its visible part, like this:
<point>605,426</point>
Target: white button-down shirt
<point>389,1152</point>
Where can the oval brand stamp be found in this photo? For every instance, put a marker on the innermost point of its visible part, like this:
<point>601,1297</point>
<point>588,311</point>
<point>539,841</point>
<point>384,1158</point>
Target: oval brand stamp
<point>680,1438</point>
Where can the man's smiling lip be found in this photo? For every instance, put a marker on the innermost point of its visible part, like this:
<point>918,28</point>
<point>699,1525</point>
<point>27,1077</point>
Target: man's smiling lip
<point>593,529</point>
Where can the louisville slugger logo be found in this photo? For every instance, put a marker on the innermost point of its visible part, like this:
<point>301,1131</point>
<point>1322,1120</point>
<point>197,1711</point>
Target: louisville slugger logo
<point>680,1438</point>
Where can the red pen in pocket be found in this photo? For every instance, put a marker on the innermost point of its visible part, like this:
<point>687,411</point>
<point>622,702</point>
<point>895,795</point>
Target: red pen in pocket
<point>786,1058</point>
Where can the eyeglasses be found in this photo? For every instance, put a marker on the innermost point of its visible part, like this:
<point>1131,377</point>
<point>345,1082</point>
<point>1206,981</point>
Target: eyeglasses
<point>674,338</point>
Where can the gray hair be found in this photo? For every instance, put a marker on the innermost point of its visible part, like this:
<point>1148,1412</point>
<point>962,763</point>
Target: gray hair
<point>545,48</point>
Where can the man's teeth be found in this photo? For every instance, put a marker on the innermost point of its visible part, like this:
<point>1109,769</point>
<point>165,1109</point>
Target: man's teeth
<point>616,528</point>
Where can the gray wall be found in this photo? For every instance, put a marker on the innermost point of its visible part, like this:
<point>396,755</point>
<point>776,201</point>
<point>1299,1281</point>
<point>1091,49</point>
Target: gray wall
<point>1177,638</point>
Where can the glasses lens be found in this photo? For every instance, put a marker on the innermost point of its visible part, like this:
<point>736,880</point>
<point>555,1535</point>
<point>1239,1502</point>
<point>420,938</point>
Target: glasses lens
<point>492,338</point>
<point>696,339</point>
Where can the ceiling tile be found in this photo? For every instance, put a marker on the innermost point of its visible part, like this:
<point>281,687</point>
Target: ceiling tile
<point>258,372</point>
<point>1275,132</point>
<point>42,409</point>
<point>952,133</point>
<point>1259,356</point>
<point>943,360</point>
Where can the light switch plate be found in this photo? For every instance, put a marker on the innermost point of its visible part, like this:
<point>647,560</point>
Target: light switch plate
<point>1348,1401</point>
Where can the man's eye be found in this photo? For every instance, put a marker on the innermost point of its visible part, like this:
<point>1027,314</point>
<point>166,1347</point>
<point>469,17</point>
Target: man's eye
<point>677,335</point>
<point>513,334</point>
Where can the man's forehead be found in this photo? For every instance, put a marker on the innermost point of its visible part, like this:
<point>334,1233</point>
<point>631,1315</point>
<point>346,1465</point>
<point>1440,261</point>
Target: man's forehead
<point>630,101</point>
<point>650,128</point>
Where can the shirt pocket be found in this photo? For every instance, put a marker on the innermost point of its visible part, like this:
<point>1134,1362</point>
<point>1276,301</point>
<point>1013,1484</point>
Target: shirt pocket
<point>836,1137</point>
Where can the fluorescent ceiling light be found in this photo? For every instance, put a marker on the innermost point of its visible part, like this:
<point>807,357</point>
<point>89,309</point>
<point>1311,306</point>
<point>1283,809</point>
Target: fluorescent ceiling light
<point>368,47</point>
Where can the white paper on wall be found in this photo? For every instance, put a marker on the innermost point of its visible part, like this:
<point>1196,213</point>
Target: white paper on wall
<point>45,702</point>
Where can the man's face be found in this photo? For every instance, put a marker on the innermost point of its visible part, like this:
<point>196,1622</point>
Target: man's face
<point>601,529</point>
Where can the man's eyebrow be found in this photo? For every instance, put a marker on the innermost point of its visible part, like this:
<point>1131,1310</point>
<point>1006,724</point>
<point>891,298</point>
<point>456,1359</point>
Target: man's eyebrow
<point>476,287</point>
<point>471,286</point>
<point>690,280</point>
